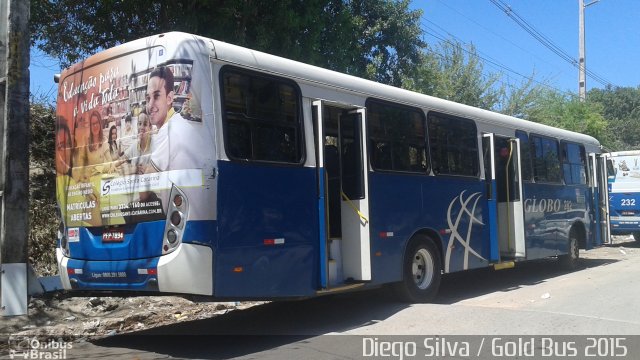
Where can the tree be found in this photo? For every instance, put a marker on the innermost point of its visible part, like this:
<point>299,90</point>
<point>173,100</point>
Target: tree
<point>621,106</point>
<point>518,100</point>
<point>454,73</point>
<point>42,204</point>
<point>568,112</point>
<point>377,39</point>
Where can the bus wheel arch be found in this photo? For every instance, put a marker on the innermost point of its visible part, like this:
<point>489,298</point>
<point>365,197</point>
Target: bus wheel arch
<point>581,234</point>
<point>421,269</point>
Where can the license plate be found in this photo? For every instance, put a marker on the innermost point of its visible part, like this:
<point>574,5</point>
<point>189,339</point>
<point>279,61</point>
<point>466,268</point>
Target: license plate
<point>113,236</point>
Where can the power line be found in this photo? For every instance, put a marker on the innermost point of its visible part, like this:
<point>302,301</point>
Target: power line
<point>544,40</point>
<point>444,3</point>
<point>486,59</point>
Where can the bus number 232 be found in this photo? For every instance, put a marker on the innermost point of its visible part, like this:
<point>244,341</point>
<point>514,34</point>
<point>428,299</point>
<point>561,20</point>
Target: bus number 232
<point>628,202</point>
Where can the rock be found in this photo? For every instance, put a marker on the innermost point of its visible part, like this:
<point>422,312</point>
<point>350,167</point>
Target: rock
<point>37,304</point>
<point>134,318</point>
<point>94,301</point>
<point>111,307</point>
<point>92,325</point>
<point>113,324</point>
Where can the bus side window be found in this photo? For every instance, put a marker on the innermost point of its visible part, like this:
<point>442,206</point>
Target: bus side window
<point>261,117</point>
<point>574,164</point>
<point>453,145</point>
<point>397,137</point>
<point>525,155</point>
<point>546,159</point>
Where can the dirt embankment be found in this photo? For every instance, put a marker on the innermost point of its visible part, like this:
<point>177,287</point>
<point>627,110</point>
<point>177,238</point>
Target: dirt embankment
<point>61,315</point>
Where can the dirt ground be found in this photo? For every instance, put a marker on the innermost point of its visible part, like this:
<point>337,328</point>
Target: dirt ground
<point>63,315</point>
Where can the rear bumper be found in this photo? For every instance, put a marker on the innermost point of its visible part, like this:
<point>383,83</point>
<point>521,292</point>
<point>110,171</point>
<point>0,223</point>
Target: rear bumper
<point>188,270</point>
<point>624,225</point>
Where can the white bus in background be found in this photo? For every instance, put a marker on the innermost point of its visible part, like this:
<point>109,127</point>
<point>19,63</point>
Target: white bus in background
<point>623,173</point>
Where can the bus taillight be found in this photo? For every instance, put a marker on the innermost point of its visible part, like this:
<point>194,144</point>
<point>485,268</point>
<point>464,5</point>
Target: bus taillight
<point>176,218</point>
<point>177,200</point>
<point>172,237</point>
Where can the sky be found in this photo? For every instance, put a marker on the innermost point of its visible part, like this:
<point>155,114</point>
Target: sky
<point>612,38</point>
<point>612,29</point>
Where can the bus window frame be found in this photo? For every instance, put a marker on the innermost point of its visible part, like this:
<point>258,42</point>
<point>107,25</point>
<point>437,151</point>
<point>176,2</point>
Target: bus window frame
<point>299,111</point>
<point>369,144</point>
<point>525,146</point>
<point>533,156</point>
<point>584,163</point>
<point>478,170</point>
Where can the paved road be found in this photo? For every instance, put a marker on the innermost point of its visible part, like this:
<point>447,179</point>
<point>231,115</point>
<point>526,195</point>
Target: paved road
<point>600,298</point>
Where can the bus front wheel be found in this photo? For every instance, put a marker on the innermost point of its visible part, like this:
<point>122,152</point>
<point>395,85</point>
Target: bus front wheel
<point>636,236</point>
<point>421,272</point>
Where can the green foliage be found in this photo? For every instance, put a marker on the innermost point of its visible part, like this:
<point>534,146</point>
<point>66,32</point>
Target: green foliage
<point>621,106</point>
<point>519,99</point>
<point>568,112</point>
<point>377,39</point>
<point>42,235</point>
<point>454,73</point>
<point>42,204</point>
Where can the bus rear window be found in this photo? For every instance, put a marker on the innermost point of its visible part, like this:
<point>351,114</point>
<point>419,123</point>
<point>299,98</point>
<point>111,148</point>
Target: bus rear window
<point>261,117</point>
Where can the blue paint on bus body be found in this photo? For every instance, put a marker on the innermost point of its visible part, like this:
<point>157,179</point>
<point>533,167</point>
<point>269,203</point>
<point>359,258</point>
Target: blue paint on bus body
<point>263,202</point>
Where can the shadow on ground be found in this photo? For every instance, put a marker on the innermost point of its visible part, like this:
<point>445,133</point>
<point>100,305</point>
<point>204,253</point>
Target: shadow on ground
<point>292,323</point>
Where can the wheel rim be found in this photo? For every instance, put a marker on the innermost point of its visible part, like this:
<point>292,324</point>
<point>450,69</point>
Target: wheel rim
<point>422,269</point>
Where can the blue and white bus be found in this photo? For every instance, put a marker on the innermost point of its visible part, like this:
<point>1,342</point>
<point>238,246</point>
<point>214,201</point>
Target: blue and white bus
<point>189,165</point>
<point>623,169</point>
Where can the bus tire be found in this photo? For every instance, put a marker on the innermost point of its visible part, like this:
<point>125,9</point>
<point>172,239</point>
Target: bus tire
<point>636,236</point>
<point>421,272</point>
<point>570,260</point>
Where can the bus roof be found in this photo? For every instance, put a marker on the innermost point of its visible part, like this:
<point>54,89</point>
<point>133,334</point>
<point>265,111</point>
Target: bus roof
<point>625,153</point>
<point>308,73</point>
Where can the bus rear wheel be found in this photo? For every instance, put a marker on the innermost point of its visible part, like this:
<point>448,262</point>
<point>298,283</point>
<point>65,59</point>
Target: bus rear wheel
<point>636,236</point>
<point>570,260</point>
<point>421,272</point>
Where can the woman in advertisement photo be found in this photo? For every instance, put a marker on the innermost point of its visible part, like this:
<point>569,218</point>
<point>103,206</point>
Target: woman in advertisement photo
<point>114,143</point>
<point>98,154</point>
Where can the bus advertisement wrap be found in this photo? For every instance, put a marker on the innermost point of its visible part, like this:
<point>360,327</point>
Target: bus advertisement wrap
<point>115,118</point>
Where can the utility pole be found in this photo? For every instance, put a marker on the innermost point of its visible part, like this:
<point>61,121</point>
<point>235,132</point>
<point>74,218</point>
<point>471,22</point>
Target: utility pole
<point>14,155</point>
<point>582,63</point>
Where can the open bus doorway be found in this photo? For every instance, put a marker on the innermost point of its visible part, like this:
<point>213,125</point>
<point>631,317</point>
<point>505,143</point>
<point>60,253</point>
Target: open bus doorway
<point>340,137</point>
<point>504,189</point>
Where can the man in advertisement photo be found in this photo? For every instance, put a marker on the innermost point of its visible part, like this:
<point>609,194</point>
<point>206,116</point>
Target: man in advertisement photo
<point>178,143</point>
<point>178,146</point>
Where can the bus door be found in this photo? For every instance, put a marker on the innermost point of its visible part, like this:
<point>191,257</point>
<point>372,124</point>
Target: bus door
<point>600,203</point>
<point>504,179</point>
<point>343,194</point>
